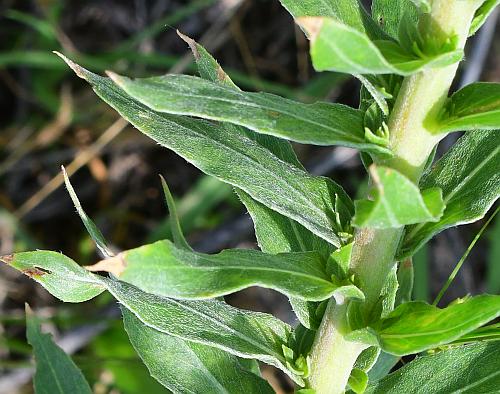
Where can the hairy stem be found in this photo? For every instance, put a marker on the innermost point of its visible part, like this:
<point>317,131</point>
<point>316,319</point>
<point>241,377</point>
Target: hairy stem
<point>419,101</point>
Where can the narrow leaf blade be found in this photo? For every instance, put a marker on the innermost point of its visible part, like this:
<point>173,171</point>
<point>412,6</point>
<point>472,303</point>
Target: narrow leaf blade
<point>92,229</point>
<point>474,107</point>
<point>245,334</point>
<point>318,124</point>
<point>241,162</point>
<point>416,326</point>
<point>163,269</point>
<point>211,322</point>
<point>469,177</point>
<point>55,371</point>
<point>203,369</point>
<point>175,223</point>
<point>471,368</point>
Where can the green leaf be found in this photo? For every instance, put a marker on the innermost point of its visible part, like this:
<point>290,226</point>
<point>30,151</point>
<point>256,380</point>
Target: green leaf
<point>358,380</point>
<point>275,233</point>
<point>175,223</point>
<point>397,201</point>
<point>476,106</point>
<point>405,282</point>
<point>469,177</point>
<point>337,47</point>
<point>389,14</point>
<point>486,333</point>
<point>385,362</point>
<point>208,67</point>
<point>163,269</point>
<point>493,268</point>
<point>240,161</point>
<point>482,14</point>
<point>92,229</point>
<point>55,371</point>
<point>466,369</point>
<point>318,124</point>
<point>417,326</point>
<point>211,322</point>
<point>183,366</point>
<point>60,275</point>
<point>348,12</point>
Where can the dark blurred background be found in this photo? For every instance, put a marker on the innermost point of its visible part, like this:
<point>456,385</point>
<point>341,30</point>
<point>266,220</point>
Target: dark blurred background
<point>51,118</point>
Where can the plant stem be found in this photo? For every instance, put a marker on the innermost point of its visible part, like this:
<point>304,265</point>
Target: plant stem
<point>419,101</point>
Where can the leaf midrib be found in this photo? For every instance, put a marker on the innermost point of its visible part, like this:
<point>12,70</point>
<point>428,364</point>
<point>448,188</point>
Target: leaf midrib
<point>245,338</point>
<point>241,121</point>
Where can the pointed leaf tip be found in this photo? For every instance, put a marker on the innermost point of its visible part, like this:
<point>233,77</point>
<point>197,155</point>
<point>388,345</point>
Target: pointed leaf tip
<point>79,70</point>
<point>192,44</point>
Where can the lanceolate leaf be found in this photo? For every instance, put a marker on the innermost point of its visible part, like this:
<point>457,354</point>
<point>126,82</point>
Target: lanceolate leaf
<point>482,14</point>
<point>55,373</point>
<point>471,369</point>
<point>469,176</point>
<point>397,201</point>
<point>210,322</point>
<point>237,160</point>
<point>275,233</point>
<point>175,224</point>
<point>92,229</point>
<point>319,124</point>
<point>189,367</point>
<point>163,269</point>
<point>476,106</point>
<point>417,326</point>
<point>337,47</point>
<point>60,275</point>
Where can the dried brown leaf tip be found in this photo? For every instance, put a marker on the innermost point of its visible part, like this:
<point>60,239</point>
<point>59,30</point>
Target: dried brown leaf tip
<point>79,70</point>
<point>7,259</point>
<point>191,43</point>
<point>115,265</point>
<point>311,25</point>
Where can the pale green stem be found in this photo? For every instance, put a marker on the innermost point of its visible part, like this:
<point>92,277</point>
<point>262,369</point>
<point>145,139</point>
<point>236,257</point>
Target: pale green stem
<point>419,101</point>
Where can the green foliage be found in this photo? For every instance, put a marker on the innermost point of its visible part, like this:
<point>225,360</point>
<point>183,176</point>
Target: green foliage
<point>469,177</point>
<point>397,201</point>
<point>163,269</point>
<point>475,107</point>
<point>465,369</point>
<point>92,229</point>
<point>60,275</point>
<point>319,123</point>
<point>389,14</point>
<point>55,371</point>
<point>336,261</point>
<point>241,162</point>
<point>417,326</point>
<point>482,14</point>
<point>338,47</point>
<point>188,366</point>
